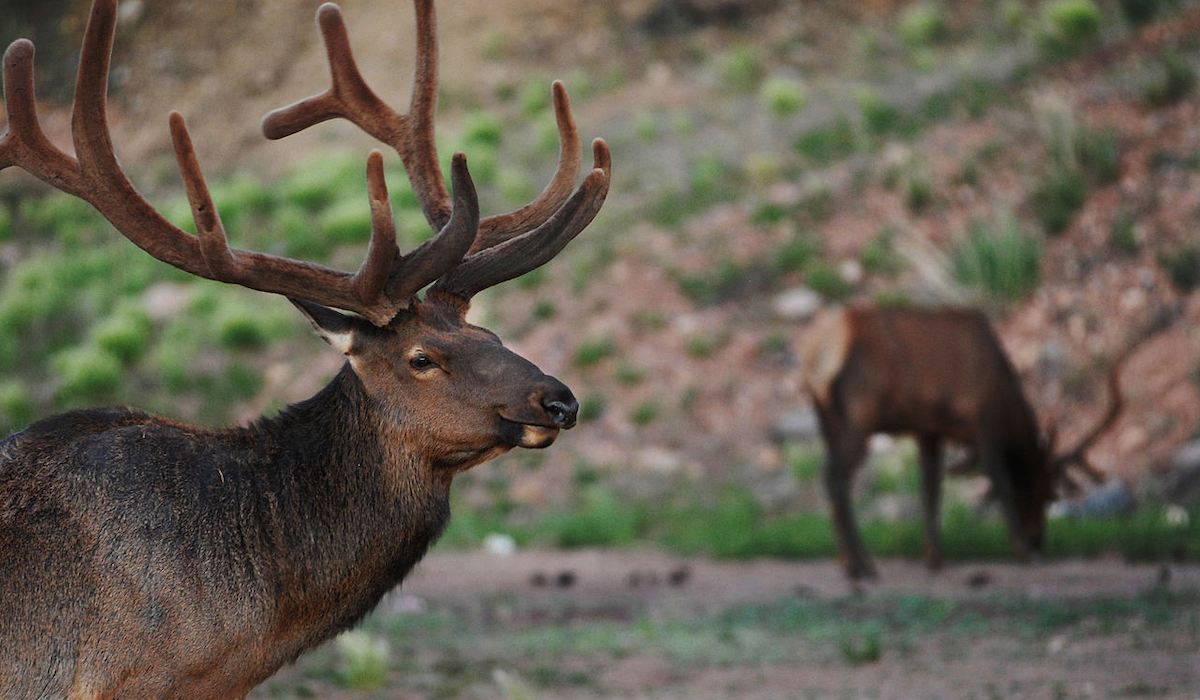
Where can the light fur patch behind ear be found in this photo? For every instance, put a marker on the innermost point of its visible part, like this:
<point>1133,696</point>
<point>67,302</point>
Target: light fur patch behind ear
<point>336,328</point>
<point>341,341</point>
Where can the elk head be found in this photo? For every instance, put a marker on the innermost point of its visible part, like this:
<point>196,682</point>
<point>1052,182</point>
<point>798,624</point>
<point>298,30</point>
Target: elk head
<point>1052,475</point>
<point>429,371</point>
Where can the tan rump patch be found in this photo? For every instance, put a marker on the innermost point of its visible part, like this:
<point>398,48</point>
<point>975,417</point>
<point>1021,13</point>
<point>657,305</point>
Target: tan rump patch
<point>825,353</point>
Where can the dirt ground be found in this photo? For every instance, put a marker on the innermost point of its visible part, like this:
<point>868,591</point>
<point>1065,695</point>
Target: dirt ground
<point>533,624</point>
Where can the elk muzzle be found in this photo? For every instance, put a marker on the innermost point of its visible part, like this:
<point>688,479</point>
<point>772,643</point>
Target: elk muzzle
<point>552,407</point>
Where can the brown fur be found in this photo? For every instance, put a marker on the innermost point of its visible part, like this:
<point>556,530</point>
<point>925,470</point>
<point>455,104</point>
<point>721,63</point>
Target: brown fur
<point>145,558</point>
<point>938,375</point>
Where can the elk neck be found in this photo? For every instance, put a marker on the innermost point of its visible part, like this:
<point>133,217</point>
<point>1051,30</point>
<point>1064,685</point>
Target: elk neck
<point>358,505</point>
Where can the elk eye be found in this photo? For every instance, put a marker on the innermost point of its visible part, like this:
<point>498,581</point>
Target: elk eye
<point>421,362</point>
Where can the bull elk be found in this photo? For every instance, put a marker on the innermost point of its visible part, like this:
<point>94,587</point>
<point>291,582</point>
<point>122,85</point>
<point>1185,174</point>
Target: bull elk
<point>936,374</point>
<point>141,557</point>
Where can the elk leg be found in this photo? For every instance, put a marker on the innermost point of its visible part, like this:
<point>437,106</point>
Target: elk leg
<point>846,450</point>
<point>931,497</point>
<point>1004,490</point>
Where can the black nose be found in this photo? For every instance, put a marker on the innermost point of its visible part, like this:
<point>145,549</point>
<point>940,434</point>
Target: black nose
<point>561,407</point>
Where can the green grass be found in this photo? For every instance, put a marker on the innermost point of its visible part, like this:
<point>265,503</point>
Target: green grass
<point>734,526</point>
<point>828,144</point>
<point>1067,27</point>
<point>592,352</point>
<point>783,97</point>
<point>1056,199</point>
<point>741,69</point>
<point>1183,267</point>
<point>922,24</point>
<point>999,258</point>
<point>1170,80</point>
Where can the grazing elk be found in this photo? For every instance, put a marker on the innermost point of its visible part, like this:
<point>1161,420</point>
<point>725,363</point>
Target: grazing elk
<point>141,557</point>
<point>937,374</point>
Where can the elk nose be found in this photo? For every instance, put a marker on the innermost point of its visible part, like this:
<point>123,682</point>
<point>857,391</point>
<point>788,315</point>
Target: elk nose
<point>561,408</point>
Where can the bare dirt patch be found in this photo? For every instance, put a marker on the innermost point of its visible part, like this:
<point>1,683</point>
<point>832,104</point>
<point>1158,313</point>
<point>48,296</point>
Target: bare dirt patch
<point>625,625</point>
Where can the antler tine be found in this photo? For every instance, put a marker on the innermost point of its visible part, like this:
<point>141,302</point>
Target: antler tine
<point>501,227</point>
<point>1116,405</point>
<point>411,134</point>
<point>437,256</point>
<point>96,177</point>
<point>24,143</point>
<point>520,254</point>
<point>349,97</point>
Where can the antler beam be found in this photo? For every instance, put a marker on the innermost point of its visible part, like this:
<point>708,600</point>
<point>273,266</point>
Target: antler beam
<point>411,134</point>
<point>497,248</point>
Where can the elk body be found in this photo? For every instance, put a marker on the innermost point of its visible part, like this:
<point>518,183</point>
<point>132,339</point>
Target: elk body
<point>935,374</point>
<point>141,557</point>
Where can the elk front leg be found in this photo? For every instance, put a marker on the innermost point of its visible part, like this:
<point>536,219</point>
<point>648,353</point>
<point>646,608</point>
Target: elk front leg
<point>1004,489</point>
<point>845,452</point>
<point>931,497</point>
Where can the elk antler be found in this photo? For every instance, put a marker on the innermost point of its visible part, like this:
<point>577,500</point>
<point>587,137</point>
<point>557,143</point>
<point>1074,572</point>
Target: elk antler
<point>1078,454</point>
<point>386,281</point>
<point>547,219</point>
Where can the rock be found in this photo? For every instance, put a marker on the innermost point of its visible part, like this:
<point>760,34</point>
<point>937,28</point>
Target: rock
<point>851,271</point>
<point>1112,498</point>
<point>800,424</point>
<point>798,304</point>
<point>1181,485</point>
<point>499,544</point>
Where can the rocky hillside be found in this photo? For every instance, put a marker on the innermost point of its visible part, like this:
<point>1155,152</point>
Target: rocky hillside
<point>1040,160</point>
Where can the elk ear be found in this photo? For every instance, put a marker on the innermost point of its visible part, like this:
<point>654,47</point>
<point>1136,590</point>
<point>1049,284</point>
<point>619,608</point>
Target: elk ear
<point>336,328</point>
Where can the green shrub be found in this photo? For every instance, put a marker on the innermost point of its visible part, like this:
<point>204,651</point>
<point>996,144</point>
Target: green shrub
<point>795,254</point>
<point>700,346</point>
<point>1099,155</point>
<point>125,335</point>
<point>879,117</point>
<point>827,144</point>
<point>741,69</point>
<point>709,174</point>
<point>646,126</point>
<point>58,215</point>
<point>601,519</point>
<point>535,97</point>
<point>365,660</point>
<point>1056,199</point>
<point>1171,80</point>
<point>345,221</point>
<point>862,646</point>
<point>6,226</point>
<point>923,24</point>
<point>239,329</point>
<point>1068,26</point>
<point>628,374</point>
<point>1141,11</point>
<point>829,283</point>
<point>1003,261</point>
<point>239,197</point>
<point>1183,267</point>
<point>644,413</point>
<point>544,309</point>
<point>592,352</point>
<point>878,254</point>
<point>16,406</point>
<point>86,374</point>
<point>593,407</point>
<point>783,97</point>
<point>483,129</point>
<point>1122,236</point>
<point>1011,14</point>
<point>918,193</point>
<point>296,231</point>
<point>768,213</point>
